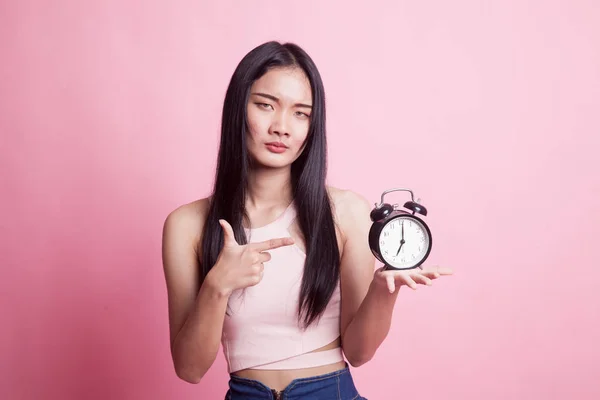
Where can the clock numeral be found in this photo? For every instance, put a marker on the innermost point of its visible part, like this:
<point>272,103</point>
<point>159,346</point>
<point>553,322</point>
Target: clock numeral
<point>386,234</point>
<point>385,252</point>
<point>422,239</point>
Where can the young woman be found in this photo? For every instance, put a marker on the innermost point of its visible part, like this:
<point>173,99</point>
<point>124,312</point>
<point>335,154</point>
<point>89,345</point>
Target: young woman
<point>275,265</point>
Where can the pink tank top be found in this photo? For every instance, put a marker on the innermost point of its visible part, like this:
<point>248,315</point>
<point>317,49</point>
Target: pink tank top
<point>261,330</point>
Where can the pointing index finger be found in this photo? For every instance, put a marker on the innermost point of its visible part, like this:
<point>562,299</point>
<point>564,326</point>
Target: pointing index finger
<point>273,243</point>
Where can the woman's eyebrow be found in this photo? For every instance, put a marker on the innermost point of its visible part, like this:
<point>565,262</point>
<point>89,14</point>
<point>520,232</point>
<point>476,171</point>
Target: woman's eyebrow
<point>275,99</point>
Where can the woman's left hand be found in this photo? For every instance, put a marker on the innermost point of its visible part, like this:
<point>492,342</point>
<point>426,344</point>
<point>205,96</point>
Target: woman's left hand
<point>411,278</point>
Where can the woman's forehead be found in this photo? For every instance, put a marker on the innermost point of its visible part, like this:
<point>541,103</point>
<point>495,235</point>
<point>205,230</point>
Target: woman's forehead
<point>288,85</point>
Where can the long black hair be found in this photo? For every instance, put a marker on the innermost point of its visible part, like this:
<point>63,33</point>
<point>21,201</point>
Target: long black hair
<point>308,173</point>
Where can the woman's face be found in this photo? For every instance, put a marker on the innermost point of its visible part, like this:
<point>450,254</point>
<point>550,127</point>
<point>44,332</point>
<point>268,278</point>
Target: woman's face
<point>278,110</point>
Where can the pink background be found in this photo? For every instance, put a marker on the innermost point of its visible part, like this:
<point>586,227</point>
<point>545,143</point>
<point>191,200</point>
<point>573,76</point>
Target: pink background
<point>109,117</point>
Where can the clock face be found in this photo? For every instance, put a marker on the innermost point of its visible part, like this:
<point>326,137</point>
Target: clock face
<point>404,242</point>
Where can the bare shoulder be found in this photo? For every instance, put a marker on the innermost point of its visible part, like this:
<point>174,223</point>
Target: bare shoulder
<point>195,210</point>
<point>348,202</point>
<point>182,232</point>
<point>350,208</point>
<point>185,223</point>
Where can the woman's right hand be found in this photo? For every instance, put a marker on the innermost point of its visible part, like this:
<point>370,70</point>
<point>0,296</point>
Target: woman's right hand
<point>239,266</point>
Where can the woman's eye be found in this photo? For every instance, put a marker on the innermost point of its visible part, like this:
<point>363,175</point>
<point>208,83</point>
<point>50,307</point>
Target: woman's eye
<point>265,106</point>
<point>301,114</point>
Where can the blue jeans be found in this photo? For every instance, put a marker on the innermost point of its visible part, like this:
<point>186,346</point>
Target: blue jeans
<point>337,385</point>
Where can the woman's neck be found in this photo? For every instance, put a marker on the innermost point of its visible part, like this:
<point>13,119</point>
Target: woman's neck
<point>269,188</point>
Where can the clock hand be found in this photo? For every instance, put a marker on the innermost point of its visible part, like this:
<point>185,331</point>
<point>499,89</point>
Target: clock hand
<point>401,240</point>
<point>400,248</point>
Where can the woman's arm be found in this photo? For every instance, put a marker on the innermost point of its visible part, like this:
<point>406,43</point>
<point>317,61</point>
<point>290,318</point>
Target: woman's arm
<point>366,311</point>
<point>196,312</point>
<point>368,296</point>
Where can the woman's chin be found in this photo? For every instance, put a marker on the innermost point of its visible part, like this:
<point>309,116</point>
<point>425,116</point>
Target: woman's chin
<point>271,161</point>
<point>269,164</point>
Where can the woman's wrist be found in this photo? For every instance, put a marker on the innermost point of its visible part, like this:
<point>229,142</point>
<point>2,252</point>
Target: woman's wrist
<point>214,286</point>
<point>380,292</point>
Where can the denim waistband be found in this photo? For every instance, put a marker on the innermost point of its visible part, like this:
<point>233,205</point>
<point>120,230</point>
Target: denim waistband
<point>337,385</point>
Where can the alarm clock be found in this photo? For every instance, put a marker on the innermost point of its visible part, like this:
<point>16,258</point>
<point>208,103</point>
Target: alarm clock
<point>399,238</point>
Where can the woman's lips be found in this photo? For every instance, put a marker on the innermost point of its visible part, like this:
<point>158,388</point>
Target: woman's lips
<point>275,147</point>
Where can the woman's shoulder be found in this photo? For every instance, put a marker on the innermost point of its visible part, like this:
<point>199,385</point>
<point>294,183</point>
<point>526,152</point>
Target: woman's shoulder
<point>186,222</point>
<point>193,212</point>
<point>346,200</point>
<point>348,206</point>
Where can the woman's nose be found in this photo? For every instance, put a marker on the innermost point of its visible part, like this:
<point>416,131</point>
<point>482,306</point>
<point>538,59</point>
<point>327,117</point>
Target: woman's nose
<point>279,126</point>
